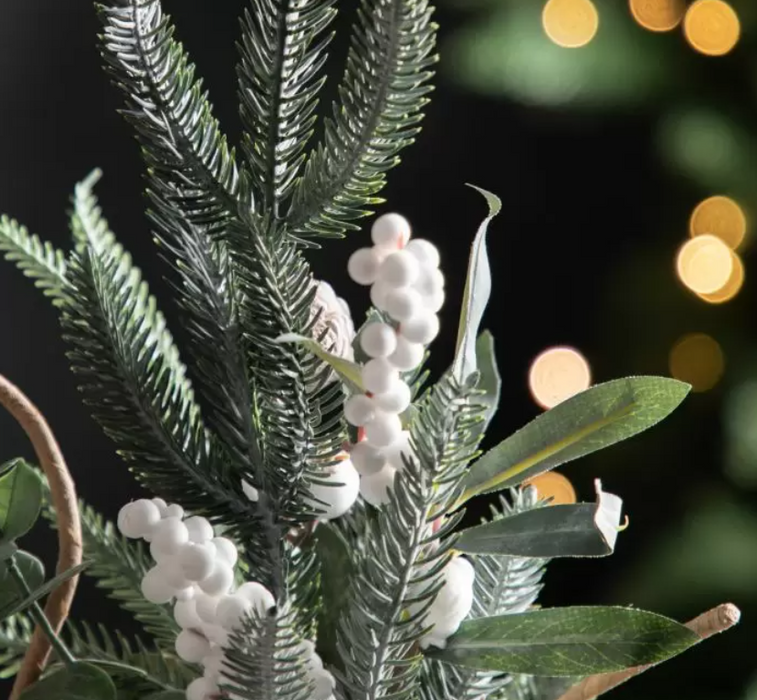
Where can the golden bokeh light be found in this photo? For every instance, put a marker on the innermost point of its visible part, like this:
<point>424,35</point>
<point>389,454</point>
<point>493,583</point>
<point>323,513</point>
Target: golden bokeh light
<point>557,374</point>
<point>732,287</point>
<point>554,486</point>
<point>658,15</point>
<point>697,359</point>
<point>570,23</point>
<point>719,216</point>
<point>704,264</point>
<point>712,27</point>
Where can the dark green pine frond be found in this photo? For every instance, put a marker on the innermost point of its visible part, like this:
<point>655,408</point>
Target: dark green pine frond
<point>382,95</point>
<point>15,636</point>
<point>36,259</point>
<point>402,556</point>
<point>265,659</point>
<point>283,50</point>
<point>503,585</point>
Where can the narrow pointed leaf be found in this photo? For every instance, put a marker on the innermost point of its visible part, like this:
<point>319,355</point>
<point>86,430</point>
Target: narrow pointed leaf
<point>579,641</point>
<point>490,381</point>
<point>590,421</point>
<point>20,500</point>
<point>575,530</point>
<point>79,681</point>
<point>478,287</point>
<point>348,371</point>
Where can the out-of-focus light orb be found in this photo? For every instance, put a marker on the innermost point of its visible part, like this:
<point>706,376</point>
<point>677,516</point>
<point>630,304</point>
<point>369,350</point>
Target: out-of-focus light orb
<point>722,217</point>
<point>732,287</point>
<point>712,27</point>
<point>658,15</point>
<point>704,264</point>
<point>554,486</point>
<point>557,374</point>
<point>570,23</point>
<point>697,359</point>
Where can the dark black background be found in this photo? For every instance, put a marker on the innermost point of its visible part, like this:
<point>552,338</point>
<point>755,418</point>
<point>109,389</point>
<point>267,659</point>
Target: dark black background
<point>580,254</point>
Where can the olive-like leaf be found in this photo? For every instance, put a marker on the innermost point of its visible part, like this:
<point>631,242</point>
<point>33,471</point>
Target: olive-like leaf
<point>20,500</point>
<point>10,593</point>
<point>348,371</point>
<point>77,681</point>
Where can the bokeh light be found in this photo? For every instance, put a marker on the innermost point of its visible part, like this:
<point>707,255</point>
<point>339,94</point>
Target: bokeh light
<point>697,359</point>
<point>712,27</point>
<point>658,15</point>
<point>557,374</point>
<point>554,486</point>
<point>570,23</point>
<point>732,287</point>
<point>704,264</point>
<point>719,216</point>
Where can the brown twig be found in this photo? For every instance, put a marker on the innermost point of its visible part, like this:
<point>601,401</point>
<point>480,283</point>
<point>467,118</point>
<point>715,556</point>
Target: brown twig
<point>712,622</point>
<point>63,495</point>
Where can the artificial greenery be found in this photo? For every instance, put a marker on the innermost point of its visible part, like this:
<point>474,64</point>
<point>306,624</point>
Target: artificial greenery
<point>248,407</point>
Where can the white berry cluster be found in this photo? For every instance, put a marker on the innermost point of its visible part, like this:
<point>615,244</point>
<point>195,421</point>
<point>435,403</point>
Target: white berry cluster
<point>407,285</point>
<point>196,568</point>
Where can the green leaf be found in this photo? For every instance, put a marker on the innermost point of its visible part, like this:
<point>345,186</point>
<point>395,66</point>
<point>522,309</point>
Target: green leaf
<point>40,591</point>
<point>576,530</point>
<point>490,381</point>
<point>348,371</point>
<point>79,681</point>
<point>7,550</point>
<point>20,500</point>
<point>478,287</point>
<point>578,641</point>
<point>590,421</point>
<point>33,572</point>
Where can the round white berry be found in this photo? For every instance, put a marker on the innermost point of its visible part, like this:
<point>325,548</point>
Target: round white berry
<point>399,269</point>
<point>404,303</point>
<point>185,614</point>
<point>250,491</point>
<point>378,339</point>
<point>155,588</point>
<point>379,292</point>
<point>434,302</point>
<point>226,550</point>
<point>378,375</point>
<point>335,499</point>
<point>421,328</point>
<point>430,281</point>
<point>408,355</point>
<point>216,634</point>
<point>426,252</point>
<point>191,647</point>
<point>220,579</point>
<point>399,447</point>
<point>359,409</point>
<point>138,518</point>
<point>363,266</point>
<point>367,458</point>
<point>200,529</point>
<point>161,505</point>
<point>391,231</point>
<point>396,400</point>
<point>324,684</point>
<point>384,429</point>
<point>201,689</point>
<point>173,573</point>
<point>187,593</point>
<point>261,598</point>
<point>206,606</point>
<point>168,536</point>
<point>174,511</point>
<point>213,662</point>
<point>232,610</point>
<point>158,555</point>
<point>375,488</point>
<point>197,560</point>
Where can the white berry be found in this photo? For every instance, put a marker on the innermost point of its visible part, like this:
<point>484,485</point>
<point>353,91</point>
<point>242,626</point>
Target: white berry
<point>216,634</point>
<point>226,550</point>
<point>421,328</point>
<point>399,447</point>
<point>191,647</point>
<point>384,429</point>
<point>200,529</point>
<point>404,303</point>
<point>197,560</point>
<point>378,375</point>
<point>430,281</point>
<point>367,458</point>
<point>426,252</point>
<point>408,355</point>
<point>396,400</point>
<point>201,689</point>
<point>399,269</point>
<point>390,231</point>
<point>359,409</point>
<point>379,292</point>
<point>169,535</point>
<point>434,302</point>
<point>155,588</point>
<point>335,499</point>
<point>219,581</point>
<point>363,266</point>
<point>185,614</point>
<point>378,339</point>
<point>213,662</point>
<point>375,488</point>
<point>137,519</point>
<point>173,573</point>
<point>187,593</point>
<point>174,511</point>
<point>260,597</point>
<point>161,505</point>
<point>206,606</point>
<point>324,685</point>
<point>232,610</point>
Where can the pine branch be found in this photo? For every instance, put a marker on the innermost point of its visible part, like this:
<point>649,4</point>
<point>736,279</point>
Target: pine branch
<point>282,54</point>
<point>382,95</point>
<point>36,259</point>
<point>15,637</point>
<point>402,558</point>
